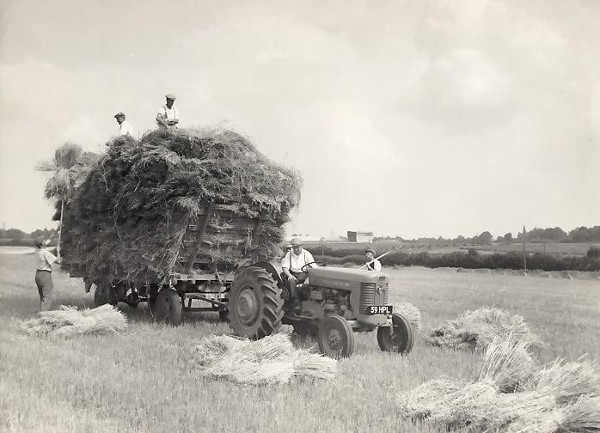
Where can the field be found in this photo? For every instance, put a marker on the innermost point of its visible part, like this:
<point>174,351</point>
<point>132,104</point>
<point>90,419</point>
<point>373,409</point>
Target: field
<point>144,381</point>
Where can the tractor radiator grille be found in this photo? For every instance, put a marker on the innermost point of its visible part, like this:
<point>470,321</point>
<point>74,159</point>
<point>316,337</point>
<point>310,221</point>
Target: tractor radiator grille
<point>370,295</point>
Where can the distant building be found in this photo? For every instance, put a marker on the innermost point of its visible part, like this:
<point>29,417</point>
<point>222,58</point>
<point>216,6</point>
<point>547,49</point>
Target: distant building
<point>360,236</point>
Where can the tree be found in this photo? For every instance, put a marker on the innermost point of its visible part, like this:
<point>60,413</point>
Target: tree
<point>14,234</point>
<point>508,237</point>
<point>485,238</point>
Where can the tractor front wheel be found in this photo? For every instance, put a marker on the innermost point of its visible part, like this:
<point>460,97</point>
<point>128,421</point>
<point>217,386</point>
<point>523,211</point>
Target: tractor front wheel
<point>255,305</point>
<point>168,308</point>
<point>335,337</point>
<point>396,338</point>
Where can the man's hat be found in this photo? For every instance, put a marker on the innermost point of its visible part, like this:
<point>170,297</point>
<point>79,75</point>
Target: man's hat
<point>170,96</point>
<point>296,242</point>
<point>370,250</point>
<point>119,114</point>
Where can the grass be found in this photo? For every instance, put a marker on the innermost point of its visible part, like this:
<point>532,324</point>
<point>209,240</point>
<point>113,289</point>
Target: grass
<point>145,381</point>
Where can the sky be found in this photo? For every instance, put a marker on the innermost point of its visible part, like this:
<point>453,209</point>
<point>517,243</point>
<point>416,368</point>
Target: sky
<point>405,118</point>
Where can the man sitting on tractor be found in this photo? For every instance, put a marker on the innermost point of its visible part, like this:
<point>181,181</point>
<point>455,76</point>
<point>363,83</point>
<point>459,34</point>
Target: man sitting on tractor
<point>294,266</point>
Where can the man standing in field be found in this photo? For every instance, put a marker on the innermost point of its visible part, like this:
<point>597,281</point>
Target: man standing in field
<point>372,263</point>
<point>124,126</point>
<point>43,274</point>
<point>167,116</point>
<point>292,265</point>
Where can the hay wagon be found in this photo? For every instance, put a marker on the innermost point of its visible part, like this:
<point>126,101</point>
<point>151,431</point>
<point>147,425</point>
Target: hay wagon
<point>203,275</point>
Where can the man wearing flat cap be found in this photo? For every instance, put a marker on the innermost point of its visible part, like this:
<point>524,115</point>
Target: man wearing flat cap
<point>372,263</point>
<point>167,116</point>
<point>292,265</point>
<point>124,126</point>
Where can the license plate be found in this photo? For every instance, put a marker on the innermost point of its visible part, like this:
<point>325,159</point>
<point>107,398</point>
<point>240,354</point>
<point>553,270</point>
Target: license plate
<point>385,309</point>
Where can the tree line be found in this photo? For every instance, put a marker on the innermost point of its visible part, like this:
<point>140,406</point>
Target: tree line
<point>14,236</point>
<point>556,234</point>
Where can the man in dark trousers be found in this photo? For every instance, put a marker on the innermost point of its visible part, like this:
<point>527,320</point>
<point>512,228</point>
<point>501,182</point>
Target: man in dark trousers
<point>292,265</point>
<point>43,273</point>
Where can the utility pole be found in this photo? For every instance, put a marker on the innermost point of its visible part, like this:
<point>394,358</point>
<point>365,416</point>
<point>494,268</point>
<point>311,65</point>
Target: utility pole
<point>524,249</point>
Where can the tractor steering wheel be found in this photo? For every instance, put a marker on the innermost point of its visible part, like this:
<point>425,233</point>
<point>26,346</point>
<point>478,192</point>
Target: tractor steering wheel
<point>305,267</point>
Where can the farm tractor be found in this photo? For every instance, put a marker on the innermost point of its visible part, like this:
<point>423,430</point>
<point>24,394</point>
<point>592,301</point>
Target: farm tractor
<point>335,302</point>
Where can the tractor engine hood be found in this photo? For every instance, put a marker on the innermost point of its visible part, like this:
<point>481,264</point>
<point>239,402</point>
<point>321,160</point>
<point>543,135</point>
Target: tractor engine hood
<point>343,278</point>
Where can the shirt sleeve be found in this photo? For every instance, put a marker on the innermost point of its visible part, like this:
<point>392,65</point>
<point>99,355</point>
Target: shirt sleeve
<point>377,265</point>
<point>309,258</point>
<point>175,113</point>
<point>285,262</point>
<point>50,258</point>
<point>162,111</point>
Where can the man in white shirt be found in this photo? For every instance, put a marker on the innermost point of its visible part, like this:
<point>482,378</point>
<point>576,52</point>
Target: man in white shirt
<point>125,127</point>
<point>292,272</point>
<point>43,273</point>
<point>372,263</point>
<point>167,116</point>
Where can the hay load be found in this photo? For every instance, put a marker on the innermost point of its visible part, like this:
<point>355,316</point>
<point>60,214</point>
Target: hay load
<point>271,360</point>
<point>69,321</point>
<point>135,215</point>
<point>476,329</point>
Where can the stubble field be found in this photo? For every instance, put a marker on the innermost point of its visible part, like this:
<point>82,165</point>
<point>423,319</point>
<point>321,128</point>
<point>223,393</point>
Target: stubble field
<point>144,380</point>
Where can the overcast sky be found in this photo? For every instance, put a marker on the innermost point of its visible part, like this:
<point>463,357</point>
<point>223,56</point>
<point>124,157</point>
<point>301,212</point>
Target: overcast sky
<point>411,118</point>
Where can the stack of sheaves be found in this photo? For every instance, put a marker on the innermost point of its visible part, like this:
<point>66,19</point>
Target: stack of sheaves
<point>69,321</point>
<point>139,213</point>
<point>512,394</point>
<point>478,328</point>
<point>270,360</point>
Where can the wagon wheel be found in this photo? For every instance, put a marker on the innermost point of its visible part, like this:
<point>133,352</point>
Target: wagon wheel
<point>168,308</point>
<point>335,337</point>
<point>398,337</point>
<point>105,294</point>
<point>255,305</point>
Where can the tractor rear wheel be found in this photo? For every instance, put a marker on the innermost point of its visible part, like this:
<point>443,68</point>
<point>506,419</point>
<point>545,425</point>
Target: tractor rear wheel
<point>398,337</point>
<point>255,305</point>
<point>335,337</point>
<point>168,308</point>
<point>104,294</point>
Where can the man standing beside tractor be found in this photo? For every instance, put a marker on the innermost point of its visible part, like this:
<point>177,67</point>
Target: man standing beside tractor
<point>292,265</point>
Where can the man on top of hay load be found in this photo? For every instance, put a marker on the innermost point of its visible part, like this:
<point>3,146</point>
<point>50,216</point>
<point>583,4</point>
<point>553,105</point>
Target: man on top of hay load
<point>167,116</point>
<point>43,273</point>
<point>291,265</point>
<point>125,127</point>
<point>372,263</point>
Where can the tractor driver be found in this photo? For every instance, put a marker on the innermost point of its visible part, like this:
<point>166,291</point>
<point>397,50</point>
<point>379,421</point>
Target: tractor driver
<point>291,266</point>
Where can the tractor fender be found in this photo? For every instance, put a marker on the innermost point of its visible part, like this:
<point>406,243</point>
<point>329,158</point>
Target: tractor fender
<point>271,270</point>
